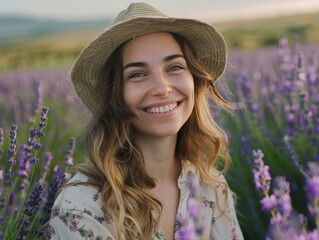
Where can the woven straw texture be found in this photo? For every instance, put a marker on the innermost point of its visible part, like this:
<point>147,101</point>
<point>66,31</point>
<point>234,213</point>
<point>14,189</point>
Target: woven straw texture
<point>140,19</point>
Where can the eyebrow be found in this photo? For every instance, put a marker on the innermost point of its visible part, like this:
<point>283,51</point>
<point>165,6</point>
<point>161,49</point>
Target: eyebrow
<point>143,64</point>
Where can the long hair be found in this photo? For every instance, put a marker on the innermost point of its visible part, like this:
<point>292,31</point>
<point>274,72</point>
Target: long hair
<point>116,163</point>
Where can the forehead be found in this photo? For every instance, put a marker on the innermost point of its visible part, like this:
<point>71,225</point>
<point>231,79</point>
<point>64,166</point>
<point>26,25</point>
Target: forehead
<point>158,44</point>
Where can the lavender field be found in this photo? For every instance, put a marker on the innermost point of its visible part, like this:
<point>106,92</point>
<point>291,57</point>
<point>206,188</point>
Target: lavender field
<point>274,139</point>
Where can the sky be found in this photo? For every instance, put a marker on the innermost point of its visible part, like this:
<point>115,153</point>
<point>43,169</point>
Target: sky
<point>212,10</point>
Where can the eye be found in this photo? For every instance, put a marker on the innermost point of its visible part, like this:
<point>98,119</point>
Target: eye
<point>175,68</point>
<point>136,75</point>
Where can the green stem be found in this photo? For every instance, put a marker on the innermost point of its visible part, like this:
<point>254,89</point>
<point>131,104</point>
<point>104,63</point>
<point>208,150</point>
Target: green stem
<point>21,208</point>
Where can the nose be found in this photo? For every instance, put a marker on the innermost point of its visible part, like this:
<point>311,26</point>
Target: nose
<point>161,85</point>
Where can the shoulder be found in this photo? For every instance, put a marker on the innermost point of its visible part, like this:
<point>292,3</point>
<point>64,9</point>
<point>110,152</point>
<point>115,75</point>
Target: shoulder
<point>79,196</point>
<point>78,212</point>
<point>221,184</point>
<point>80,199</point>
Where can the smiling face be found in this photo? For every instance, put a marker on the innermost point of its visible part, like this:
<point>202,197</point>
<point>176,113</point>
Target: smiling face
<point>158,87</point>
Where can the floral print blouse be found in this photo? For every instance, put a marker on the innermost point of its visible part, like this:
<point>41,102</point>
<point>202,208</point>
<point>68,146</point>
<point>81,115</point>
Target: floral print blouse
<point>78,212</point>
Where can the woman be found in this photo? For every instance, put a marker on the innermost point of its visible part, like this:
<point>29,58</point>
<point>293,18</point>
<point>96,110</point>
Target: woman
<point>147,81</point>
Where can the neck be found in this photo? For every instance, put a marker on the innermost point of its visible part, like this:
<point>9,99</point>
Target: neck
<point>159,157</point>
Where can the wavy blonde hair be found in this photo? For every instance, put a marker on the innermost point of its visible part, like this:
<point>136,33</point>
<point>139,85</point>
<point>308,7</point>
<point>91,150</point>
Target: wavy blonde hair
<point>116,162</point>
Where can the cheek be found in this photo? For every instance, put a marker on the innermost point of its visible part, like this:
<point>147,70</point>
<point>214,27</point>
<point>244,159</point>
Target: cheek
<point>185,83</point>
<point>188,87</point>
<point>191,91</point>
<point>132,96</point>
<point>127,96</point>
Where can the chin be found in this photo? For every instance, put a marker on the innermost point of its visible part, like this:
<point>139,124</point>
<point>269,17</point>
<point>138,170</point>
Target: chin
<point>158,133</point>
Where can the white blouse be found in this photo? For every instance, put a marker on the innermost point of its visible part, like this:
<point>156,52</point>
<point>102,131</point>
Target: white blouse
<point>78,212</point>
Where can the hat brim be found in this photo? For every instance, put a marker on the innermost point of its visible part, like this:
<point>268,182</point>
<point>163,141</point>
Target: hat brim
<point>209,45</point>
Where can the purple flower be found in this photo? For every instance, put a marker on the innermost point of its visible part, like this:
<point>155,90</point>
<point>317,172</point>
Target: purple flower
<point>8,176</point>
<point>34,160</point>
<point>245,147</point>
<point>276,219</point>
<point>281,191</point>
<point>269,203</point>
<point>279,203</point>
<point>283,42</point>
<point>313,169</point>
<point>33,140</point>
<point>290,117</point>
<point>57,181</point>
<point>68,160</point>
<point>313,186</point>
<point>314,235</point>
<point>59,175</point>
<point>29,210</point>
<point>44,113</point>
<point>262,177</point>
<point>12,151</point>
<point>284,203</point>
<point>34,200</point>
<point>254,107</point>
<point>47,161</point>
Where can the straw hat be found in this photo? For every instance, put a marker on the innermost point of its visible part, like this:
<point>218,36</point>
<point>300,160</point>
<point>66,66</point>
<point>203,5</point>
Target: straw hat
<point>140,19</point>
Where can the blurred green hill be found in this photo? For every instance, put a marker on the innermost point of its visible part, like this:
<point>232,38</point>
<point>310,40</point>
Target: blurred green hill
<point>28,42</point>
<point>303,28</point>
<point>20,28</point>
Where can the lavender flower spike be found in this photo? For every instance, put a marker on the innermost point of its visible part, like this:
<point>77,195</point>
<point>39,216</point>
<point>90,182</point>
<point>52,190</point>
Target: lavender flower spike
<point>43,122</point>
<point>313,186</point>
<point>68,160</point>
<point>12,151</point>
<point>29,210</point>
<point>269,203</point>
<point>34,200</point>
<point>282,207</point>
<point>313,190</point>
<point>57,181</point>
<point>262,177</point>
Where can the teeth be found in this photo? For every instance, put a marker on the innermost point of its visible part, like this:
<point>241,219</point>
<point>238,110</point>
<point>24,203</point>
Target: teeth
<point>162,109</point>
